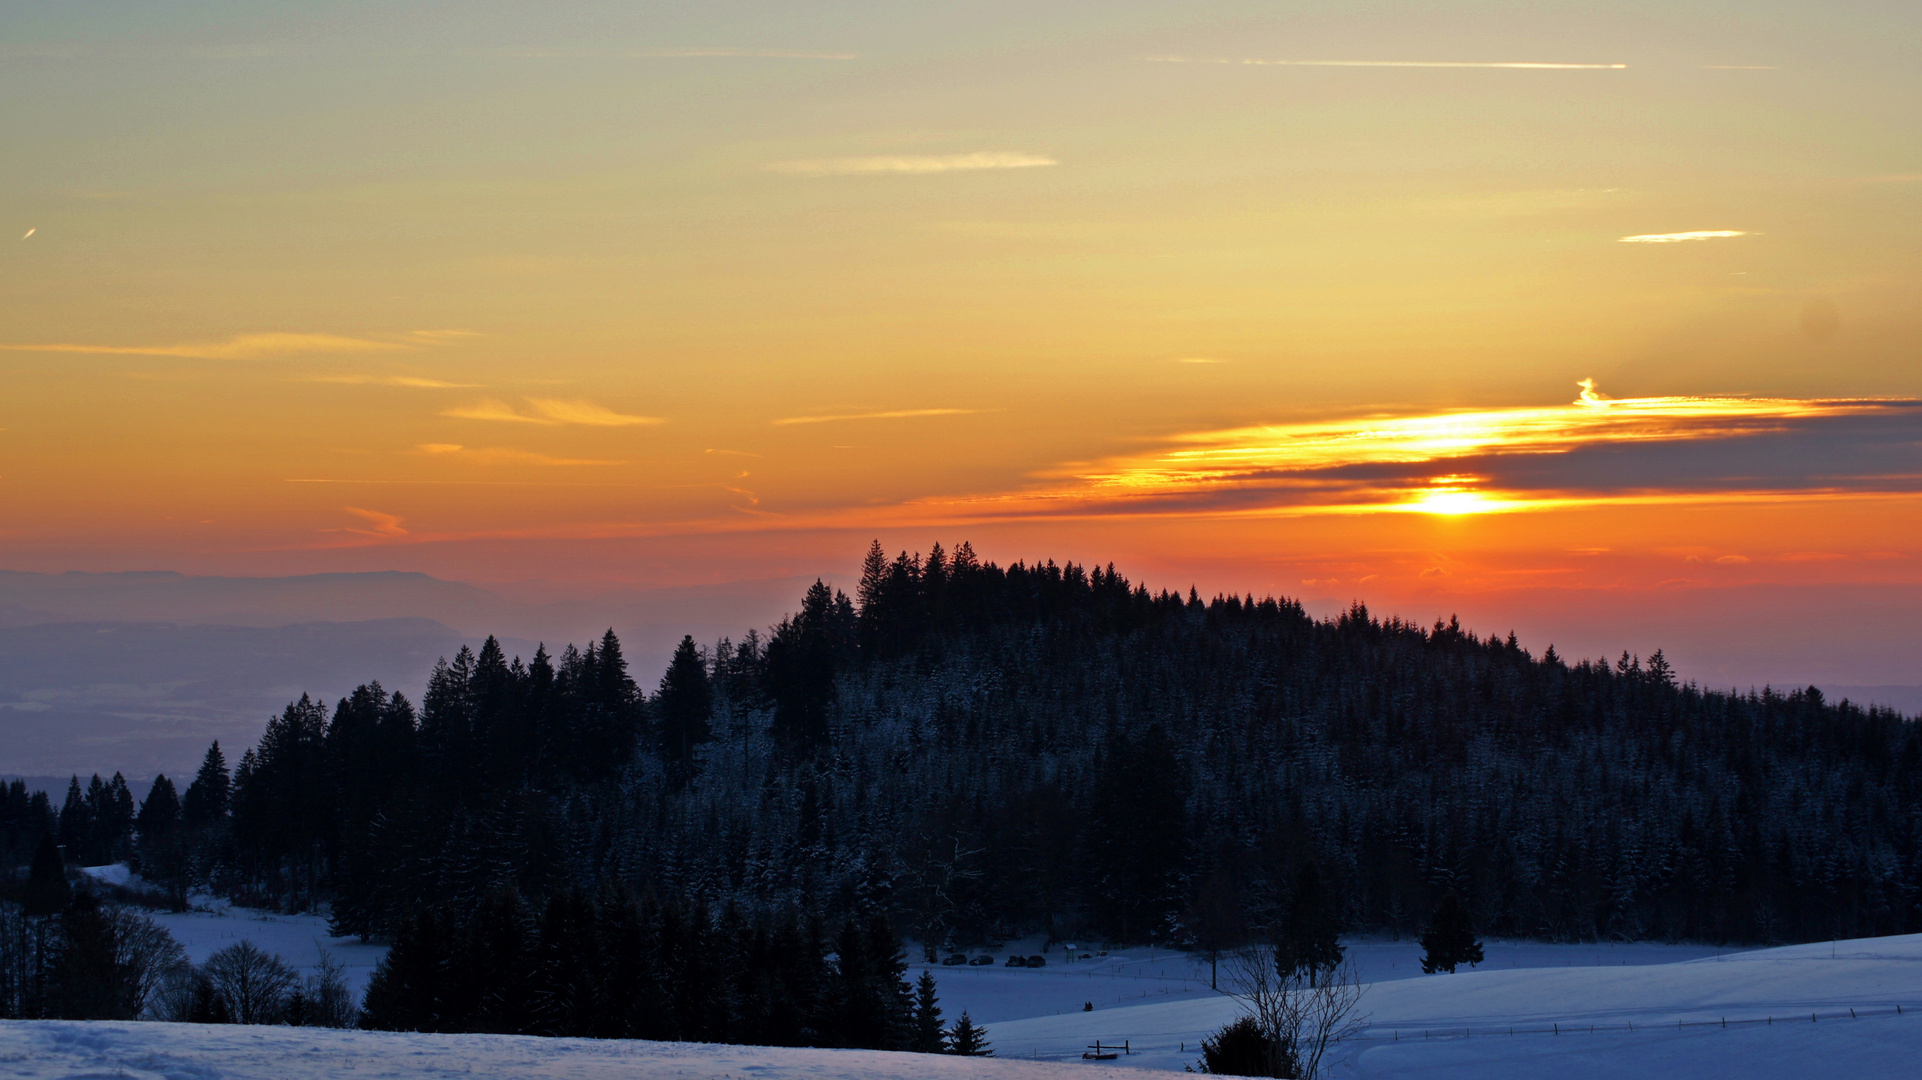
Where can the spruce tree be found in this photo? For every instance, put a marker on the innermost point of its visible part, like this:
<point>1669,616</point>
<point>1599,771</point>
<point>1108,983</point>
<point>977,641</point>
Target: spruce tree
<point>685,708</point>
<point>206,800</point>
<point>928,1036</point>
<point>1449,940</point>
<point>1309,943</point>
<point>46,892</point>
<point>968,1039</point>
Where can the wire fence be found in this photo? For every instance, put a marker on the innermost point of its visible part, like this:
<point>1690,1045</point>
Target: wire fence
<point>1580,1027</point>
<point>1151,1042</point>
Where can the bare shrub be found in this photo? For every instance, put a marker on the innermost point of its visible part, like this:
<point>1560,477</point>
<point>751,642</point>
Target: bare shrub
<point>1300,1019</point>
<point>330,1001</point>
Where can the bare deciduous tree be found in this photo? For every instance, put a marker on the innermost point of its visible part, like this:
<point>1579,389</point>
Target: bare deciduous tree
<point>145,954</point>
<point>330,1002</point>
<point>255,984</point>
<point>1302,1020</point>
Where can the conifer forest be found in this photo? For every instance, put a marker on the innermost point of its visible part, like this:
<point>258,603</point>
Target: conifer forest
<point>961,753</point>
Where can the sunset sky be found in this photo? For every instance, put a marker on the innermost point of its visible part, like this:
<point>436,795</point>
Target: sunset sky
<point>1601,321</point>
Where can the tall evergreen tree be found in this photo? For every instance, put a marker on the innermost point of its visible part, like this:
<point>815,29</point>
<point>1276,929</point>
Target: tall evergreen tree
<point>685,708</point>
<point>46,890</point>
<point>207,798</point>
<point>929,1038</point>
<point>1308,943</point>
<point>1449,941</point>
<point>1139,835</point>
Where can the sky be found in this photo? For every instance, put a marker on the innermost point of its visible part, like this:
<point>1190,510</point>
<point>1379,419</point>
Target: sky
<point>1595,320</point>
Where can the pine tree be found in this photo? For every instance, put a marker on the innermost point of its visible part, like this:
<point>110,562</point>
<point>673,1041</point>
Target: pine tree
<point>46,891</point>
<point>407,991</point>
<point>76,823</point>
<point>1309,942</point>
<point>928,1036</point>
<point>207,798</point>
<point>685,708</point>
<point>1449,940</point>
<point>968,1039</point>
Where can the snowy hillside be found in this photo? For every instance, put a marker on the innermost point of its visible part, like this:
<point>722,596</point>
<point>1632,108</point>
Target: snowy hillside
<point>1457,1025</point>
<point>54,1050</point>
<point>1437,1026</point>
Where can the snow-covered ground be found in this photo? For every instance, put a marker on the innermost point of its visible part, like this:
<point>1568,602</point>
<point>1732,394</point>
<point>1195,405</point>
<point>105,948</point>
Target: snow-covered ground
<point>1142,976</point>
<point>297,939</point>
<point>212,924</point>
<point>1576,1012</point>
<point>1440,1026</point>
<point>53,1050</point>
<point>1458,1025</point>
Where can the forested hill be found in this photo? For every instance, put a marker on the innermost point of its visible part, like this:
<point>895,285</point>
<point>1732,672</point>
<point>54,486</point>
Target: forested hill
<point>981,751</point>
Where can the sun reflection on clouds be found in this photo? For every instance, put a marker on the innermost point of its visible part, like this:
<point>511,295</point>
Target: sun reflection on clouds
<point>1413,464</point>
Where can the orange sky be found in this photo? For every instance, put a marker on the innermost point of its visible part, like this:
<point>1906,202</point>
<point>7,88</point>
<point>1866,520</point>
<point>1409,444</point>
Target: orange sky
<point>1266,302</point>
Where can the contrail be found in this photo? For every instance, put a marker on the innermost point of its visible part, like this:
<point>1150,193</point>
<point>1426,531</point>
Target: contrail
<point>1391,63</point>
<point>29,232</point>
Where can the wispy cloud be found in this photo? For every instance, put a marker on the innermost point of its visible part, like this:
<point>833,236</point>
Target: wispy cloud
<point>503,455</point>
<point>748,54</point>
<point>28,233</point>
<point>239,347</point>
<point>860,166</point>
<point>411,381</point>
<point>1519,64</point>
<point>491,409</point>
<point>587,413</point>
<point>669,54</point>
<point>549,411</point>
<point>893,414</point>
<point>1200,360</point>
<point>381,525</point>
<point>1680,237</point>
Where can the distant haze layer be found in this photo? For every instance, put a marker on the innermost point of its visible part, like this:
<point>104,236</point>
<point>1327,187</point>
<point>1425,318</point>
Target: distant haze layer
<point>137,672</point>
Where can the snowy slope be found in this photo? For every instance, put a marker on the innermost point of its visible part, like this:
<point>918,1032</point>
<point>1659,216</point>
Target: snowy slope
<point>1140,976</point>
<point>53,1050</point>
<point>296,939</point>
<point>1440,1026</point>
<point>1456,1025</point>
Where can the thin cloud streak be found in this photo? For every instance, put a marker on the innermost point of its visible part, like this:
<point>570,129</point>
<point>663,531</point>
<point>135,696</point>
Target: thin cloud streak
<point>410,381</point>
<point>587,414</point>
<point>549,412</point>
<point>1527,65</point>
<point>503,455</point>
<point>896,414</point>
<point>1683,237</point>
<point>667,54</point>
<point>239,347</point>
<point>381,526</point>
<point>749,54</point>
<point>867,166</point>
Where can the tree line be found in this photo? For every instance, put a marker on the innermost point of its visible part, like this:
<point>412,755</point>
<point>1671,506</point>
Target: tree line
<point>979,752</point>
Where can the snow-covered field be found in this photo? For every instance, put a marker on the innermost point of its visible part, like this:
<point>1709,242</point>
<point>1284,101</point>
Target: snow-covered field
<point>1141,976</point>
<point>1458,1025</point>
<point>1576,1012</point>
<point>211,924</point>
<point>297,939</point>
<point>53,1050</point>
